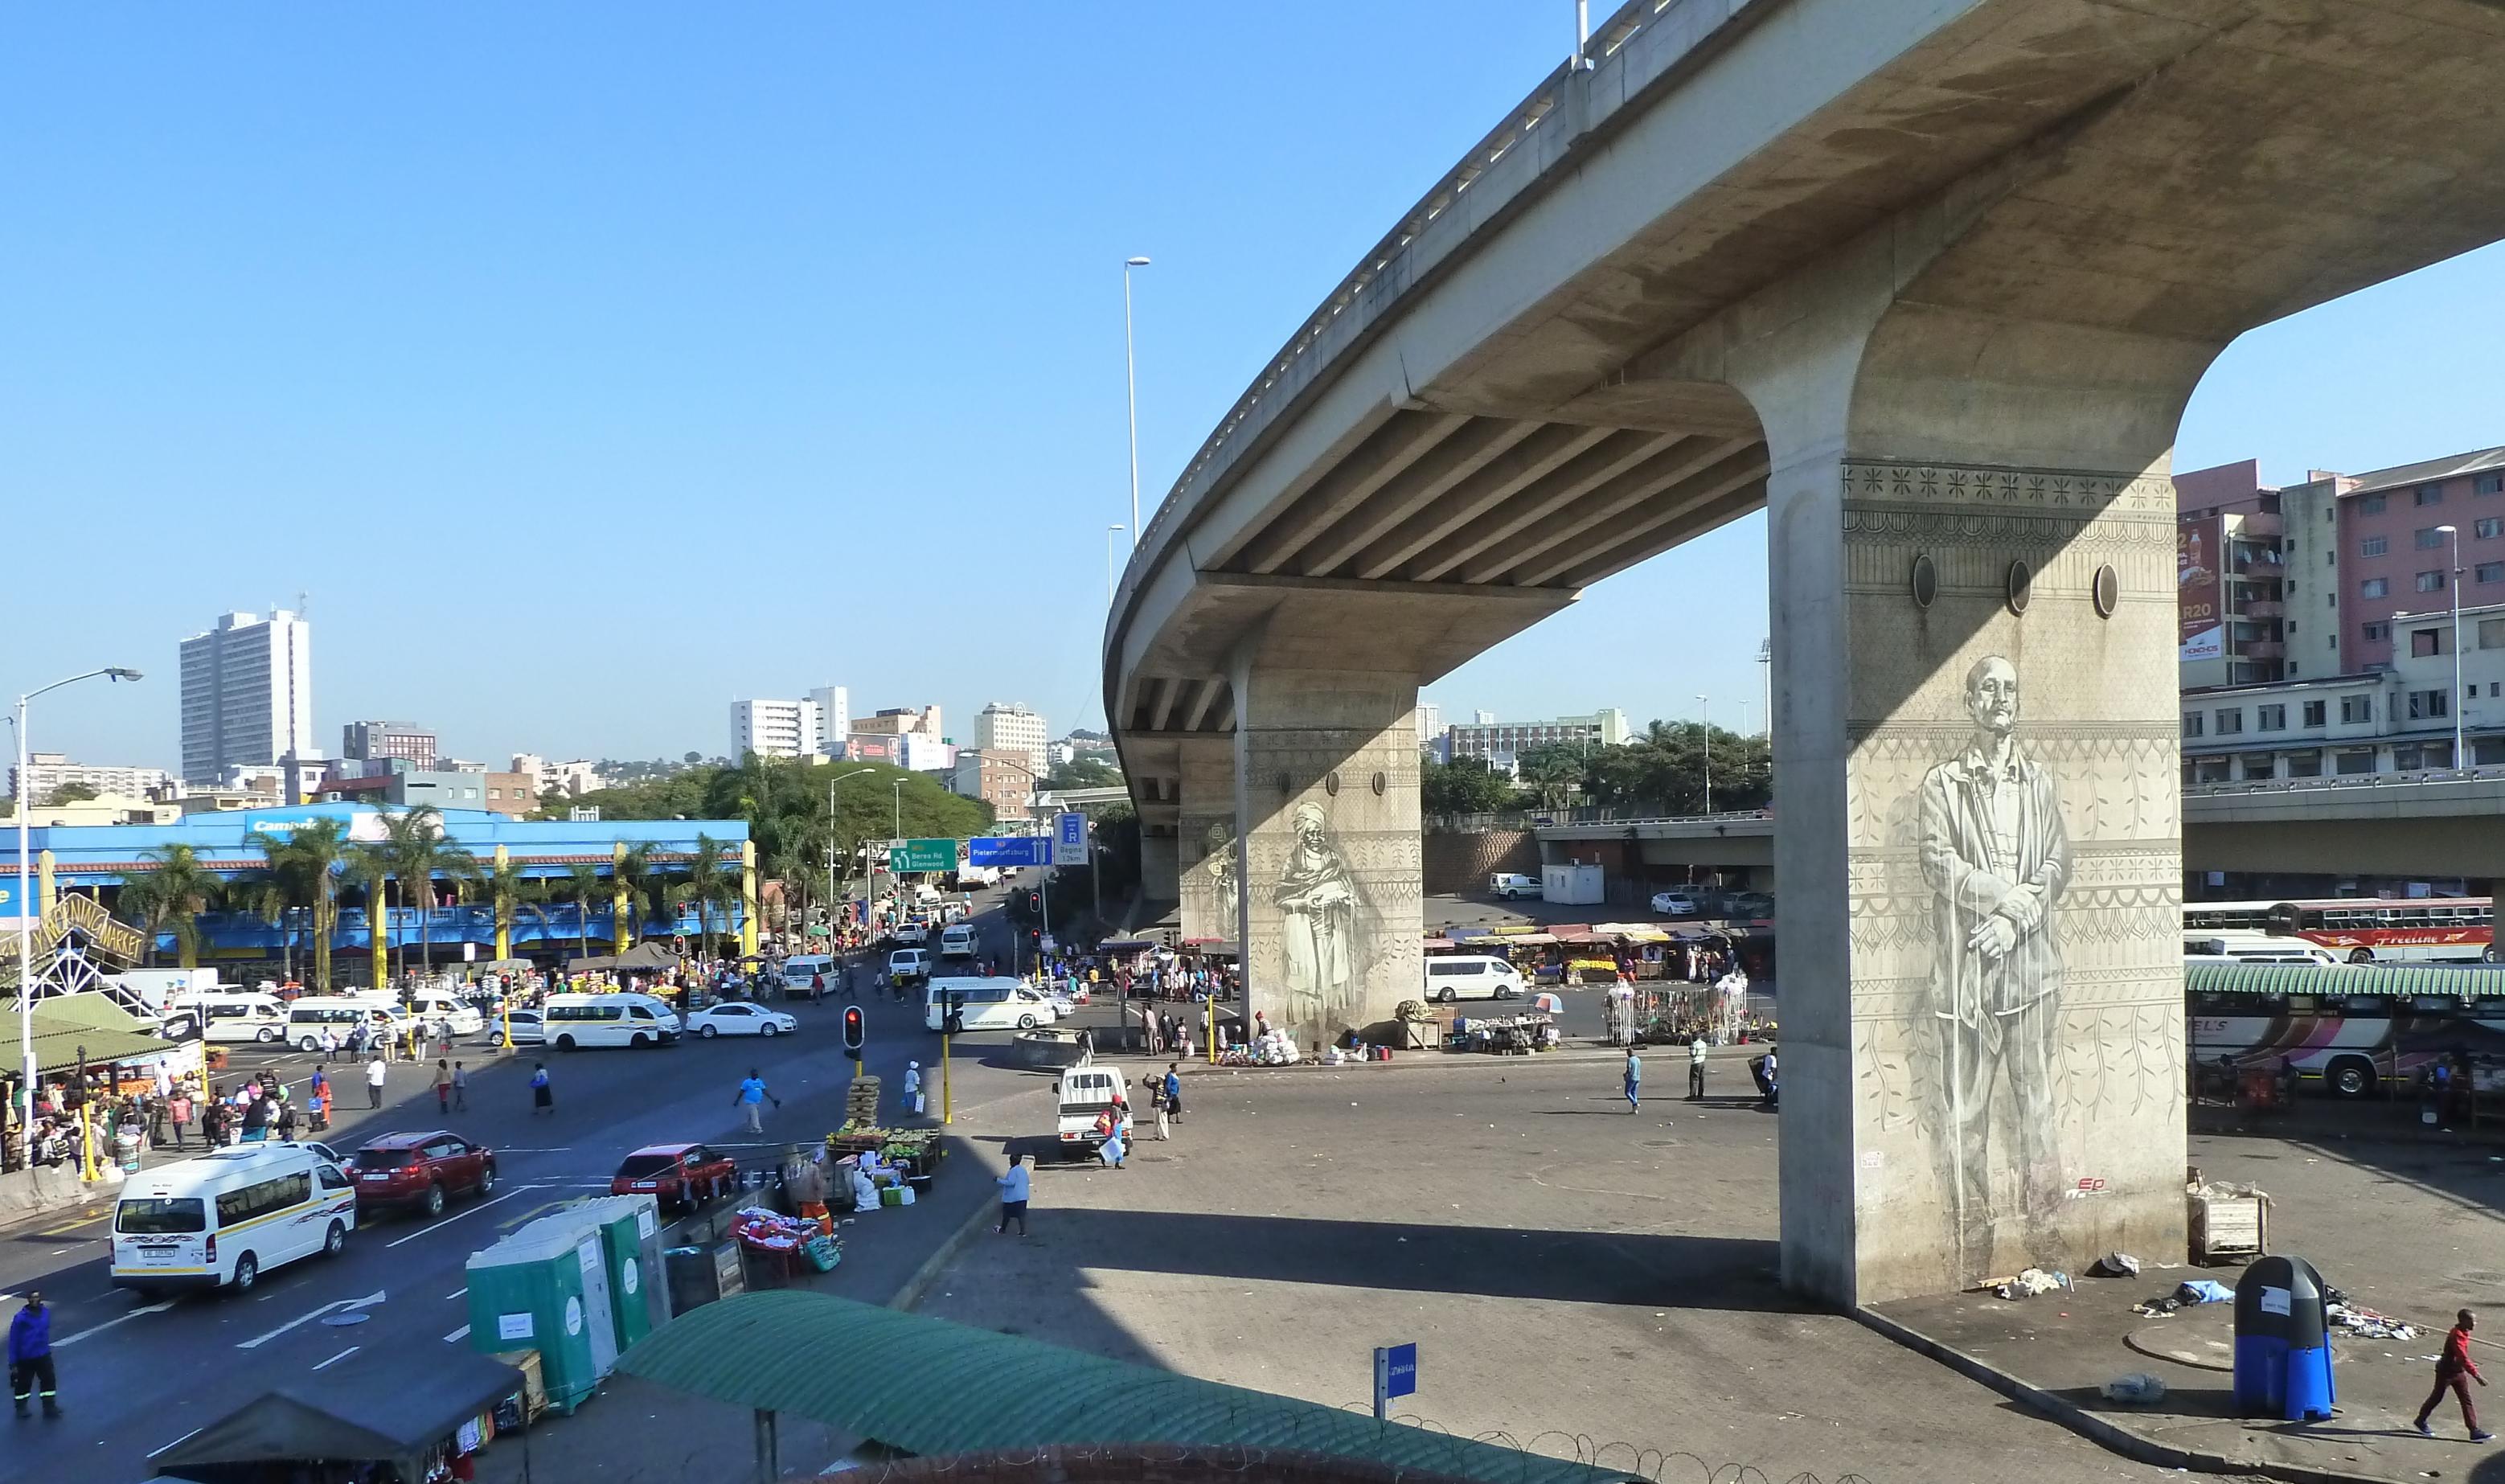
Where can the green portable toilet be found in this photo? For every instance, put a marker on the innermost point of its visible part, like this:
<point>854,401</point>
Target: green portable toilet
<point>545,1288</point>
<point>629,1229</point>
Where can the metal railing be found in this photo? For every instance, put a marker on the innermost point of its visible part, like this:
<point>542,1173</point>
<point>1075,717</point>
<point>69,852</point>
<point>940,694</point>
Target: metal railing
<point>2411,778</point>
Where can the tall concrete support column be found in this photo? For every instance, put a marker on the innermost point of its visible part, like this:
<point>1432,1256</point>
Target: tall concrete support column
<point>1326,848</point>
<point>1160,879</point>
<point>1205,840</point>
<point>1971,538</point>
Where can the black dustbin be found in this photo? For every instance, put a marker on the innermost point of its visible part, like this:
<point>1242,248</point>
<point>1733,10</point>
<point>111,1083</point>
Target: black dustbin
<point>2283,1341</point>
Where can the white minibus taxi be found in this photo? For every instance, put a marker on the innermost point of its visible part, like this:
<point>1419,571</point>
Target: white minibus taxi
<point>436,1008</point>
<point>227,1015</point>
<point>957,940</point>
<point>573,1021</point>
<point>998,1004</point>
<point>224,1220</point>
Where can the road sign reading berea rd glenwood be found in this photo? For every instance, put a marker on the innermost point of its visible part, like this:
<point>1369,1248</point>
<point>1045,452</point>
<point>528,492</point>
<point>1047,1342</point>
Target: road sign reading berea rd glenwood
<point>922,855</point>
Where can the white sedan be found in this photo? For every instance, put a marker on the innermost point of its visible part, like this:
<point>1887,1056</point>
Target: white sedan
<point>1673,904</point>
<point>738,1018</point>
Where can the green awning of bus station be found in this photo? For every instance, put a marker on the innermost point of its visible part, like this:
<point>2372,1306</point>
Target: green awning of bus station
<point>2363,981</point>
<point>64,1023</point>
<point>933,1387</point>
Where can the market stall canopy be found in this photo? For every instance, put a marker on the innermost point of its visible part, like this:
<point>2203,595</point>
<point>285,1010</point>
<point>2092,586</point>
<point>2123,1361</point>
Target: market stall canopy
<point>63,1023</point>
<point>648,956</point>
<point>375,1407</point>
<point>504,966</point>
<point>1124,946</point>
<point>597,961</point>
<point>933,1388</point>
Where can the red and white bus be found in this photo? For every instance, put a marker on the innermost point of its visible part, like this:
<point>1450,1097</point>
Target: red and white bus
<point>2368,930</point>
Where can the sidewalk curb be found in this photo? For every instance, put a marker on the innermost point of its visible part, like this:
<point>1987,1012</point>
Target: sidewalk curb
<point>2095,1429</point>
<point>910,1292</point>
<point>1454,1060</point>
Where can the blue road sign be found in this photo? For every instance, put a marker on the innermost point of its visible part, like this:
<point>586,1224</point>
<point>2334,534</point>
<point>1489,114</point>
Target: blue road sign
<point>1395,1373</point>
<point>1008,851</point>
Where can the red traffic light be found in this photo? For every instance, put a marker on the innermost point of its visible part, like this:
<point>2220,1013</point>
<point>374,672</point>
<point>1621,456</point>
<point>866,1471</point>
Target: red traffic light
<point>855,1029</point>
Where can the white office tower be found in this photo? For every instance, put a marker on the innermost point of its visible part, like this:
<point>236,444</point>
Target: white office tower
<point>773,729</point>
<point>835,719</point>
<point>247,693</point>
<point>1008,726</point>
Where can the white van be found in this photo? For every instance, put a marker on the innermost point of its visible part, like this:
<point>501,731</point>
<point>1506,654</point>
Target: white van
<point>436,1008</point>
<point>998,1004</point>
<point>227,1015</point>
<point>1455,976</point>
<point>957,940</point>
<point>573,1021</point>
<point>1085,1091</point>
<point>907,965</point>
<point>1507,885</point>
<point>801,969</point>
<point>225,1219</point>
<point>310,1016</point>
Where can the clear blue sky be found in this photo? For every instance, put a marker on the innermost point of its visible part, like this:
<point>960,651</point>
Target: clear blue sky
<point>592,365</point>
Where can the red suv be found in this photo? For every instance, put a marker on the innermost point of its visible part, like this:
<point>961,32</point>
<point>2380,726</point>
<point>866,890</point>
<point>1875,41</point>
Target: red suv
<point>678,1174</point>
<point>420,1170</point>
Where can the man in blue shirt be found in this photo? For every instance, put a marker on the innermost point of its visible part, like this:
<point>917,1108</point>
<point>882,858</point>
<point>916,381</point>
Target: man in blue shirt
<point>30,1355</point>
<point>752,1098</point>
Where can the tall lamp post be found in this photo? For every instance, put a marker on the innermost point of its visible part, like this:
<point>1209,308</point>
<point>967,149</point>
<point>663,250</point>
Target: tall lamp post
<point>2453,534</point>
<point>1709,752</point>
<point>26,899</point>
<point>832,892</point>
<point>1130,391</point>
<point>1110,532</point>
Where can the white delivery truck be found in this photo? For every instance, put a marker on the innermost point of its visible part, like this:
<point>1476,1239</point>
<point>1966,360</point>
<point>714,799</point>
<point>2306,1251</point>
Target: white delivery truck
<point>157,988</point>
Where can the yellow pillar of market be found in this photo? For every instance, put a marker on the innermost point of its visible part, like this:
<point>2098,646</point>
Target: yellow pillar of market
<point>617,898</point>
<point>747,898</point>
<point>46,893</point>
<point>504,919</point>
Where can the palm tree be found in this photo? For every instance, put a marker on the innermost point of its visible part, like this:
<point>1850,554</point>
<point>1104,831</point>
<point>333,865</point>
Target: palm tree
<point>180,887</point>
<point>705,884</point>
<point>309,858</point>
<point>420,852</point>
<point>508,889</point>
<point>268,896</point>
<point>583,883</point>
<point>371,865</point>
<point>639,878</point>
<point>143,904</point>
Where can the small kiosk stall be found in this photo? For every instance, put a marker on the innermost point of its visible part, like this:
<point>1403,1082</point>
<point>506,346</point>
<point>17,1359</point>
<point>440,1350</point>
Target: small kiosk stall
<point>370,1419</point>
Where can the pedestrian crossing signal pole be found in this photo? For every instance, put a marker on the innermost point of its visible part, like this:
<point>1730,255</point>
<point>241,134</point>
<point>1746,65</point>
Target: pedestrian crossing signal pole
<point>949,1025</point>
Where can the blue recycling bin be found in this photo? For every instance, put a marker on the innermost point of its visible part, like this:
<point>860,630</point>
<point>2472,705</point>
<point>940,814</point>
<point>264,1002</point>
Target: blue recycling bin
<point>2283,1342</point>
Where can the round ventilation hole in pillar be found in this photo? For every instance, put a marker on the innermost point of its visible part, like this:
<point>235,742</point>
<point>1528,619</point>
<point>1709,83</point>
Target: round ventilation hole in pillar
<point>1330,783</point>
<point>2022,586</point>
<point>1926,581</point>
<point>1284,790</point>
<point>1379,785</point>
<point>2108,591</point>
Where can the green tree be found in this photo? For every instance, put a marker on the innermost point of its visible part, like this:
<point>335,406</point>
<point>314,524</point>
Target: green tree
<point>308,857</point>
<point>182,888</point>
<point>708,885</point>
<point>643,880</point>
<point>70,794</point>
<point>371,866</point>
<point>1553,773</point>
<point>585,884</point>
<point>420,852</point>
<point>509,893</point>
<point>1082,773</point>
<point>1465,786</point>
<point>266,895</point>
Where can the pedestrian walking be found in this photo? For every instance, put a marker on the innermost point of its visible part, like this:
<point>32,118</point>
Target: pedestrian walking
<point>543,1096</point>
<point>818,988</point>
<point>1635,1082</point>
<point>376,1073</point>
<point>1774,1078</point>
<point>285,1117</point>
<point>913,1089</point>
<point>460,1088</point>
<point>256,1117</point>
<point>1174,1089</point>
<point>317,1092</point>
<point>30,1355</point>
<point>2453,1369</point>
<point>1696,1070</point>
<point>443,1087</point>
<point>752,1098</point>
<point>178,1113</point>
<point>1014,1193</point>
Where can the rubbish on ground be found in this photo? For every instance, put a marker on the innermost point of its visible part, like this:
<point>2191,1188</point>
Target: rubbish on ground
<point>2158,1308</point>
<point>2032,1282</point>
<point>2117,1265</point>
<point>2204,1291</point>
<point>2365,1323</point>
<point>2139,1388</point>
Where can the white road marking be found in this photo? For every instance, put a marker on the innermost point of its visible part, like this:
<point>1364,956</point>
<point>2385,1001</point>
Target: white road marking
<point>342,1356</point>
<point>457,1335</point>
<point>442,1221</point>
<point>155,1307</point>
<point>256,1341</point>
<point>456,1293</point>
<point>180,1441</point>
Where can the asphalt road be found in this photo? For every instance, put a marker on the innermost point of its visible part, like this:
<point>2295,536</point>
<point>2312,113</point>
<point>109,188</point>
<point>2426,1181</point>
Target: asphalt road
<point>137,1377</point>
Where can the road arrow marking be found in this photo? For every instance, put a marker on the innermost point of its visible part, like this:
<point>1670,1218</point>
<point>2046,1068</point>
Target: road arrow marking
<point>155,1307</point>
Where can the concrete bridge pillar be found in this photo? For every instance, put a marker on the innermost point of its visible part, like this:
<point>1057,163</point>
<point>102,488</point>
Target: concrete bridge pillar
<point>1327,850</point>
<point>1205,839</point>
<point>1971,536</point>
<point>1158,881</point>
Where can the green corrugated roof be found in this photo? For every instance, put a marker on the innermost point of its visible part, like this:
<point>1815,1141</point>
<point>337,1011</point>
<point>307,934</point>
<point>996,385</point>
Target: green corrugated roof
<point>2466,981</point>
<point>930,1387</point>
<point>63,1023</point>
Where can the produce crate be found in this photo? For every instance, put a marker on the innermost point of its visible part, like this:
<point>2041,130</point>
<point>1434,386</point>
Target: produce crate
<point>534,1387</point>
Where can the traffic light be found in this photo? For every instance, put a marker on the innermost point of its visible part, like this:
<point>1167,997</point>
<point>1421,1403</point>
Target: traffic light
<point>856,1030</point>
<point>1035,901</point>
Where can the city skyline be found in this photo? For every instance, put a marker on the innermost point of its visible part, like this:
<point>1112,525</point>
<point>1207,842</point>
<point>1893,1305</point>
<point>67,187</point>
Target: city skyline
<point>501,309</point>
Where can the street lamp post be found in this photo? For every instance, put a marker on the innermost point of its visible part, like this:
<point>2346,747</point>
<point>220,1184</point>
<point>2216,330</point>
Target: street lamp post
<point>26,899</point>
<point>2459,708</point>
<point>1130,391</point>
<point>1110,532</point>
<point>832,892</point>
<point>1709,752</point>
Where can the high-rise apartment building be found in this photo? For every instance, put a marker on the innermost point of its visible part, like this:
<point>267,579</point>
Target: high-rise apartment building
<point>1492,739</point>
<point>835,719</point>
<point>997,778</point>
<point>773,729</point>
<point>47,773</point>
<point>1014,730</point>
<point>374,741</point>
<point>247,693</point>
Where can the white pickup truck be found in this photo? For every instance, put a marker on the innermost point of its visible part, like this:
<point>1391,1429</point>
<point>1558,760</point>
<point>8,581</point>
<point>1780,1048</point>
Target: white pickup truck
<point>1086,1090</point>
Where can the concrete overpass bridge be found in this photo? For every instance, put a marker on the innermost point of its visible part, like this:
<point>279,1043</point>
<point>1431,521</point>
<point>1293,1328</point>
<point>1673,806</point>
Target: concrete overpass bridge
<point>1930,280</point>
